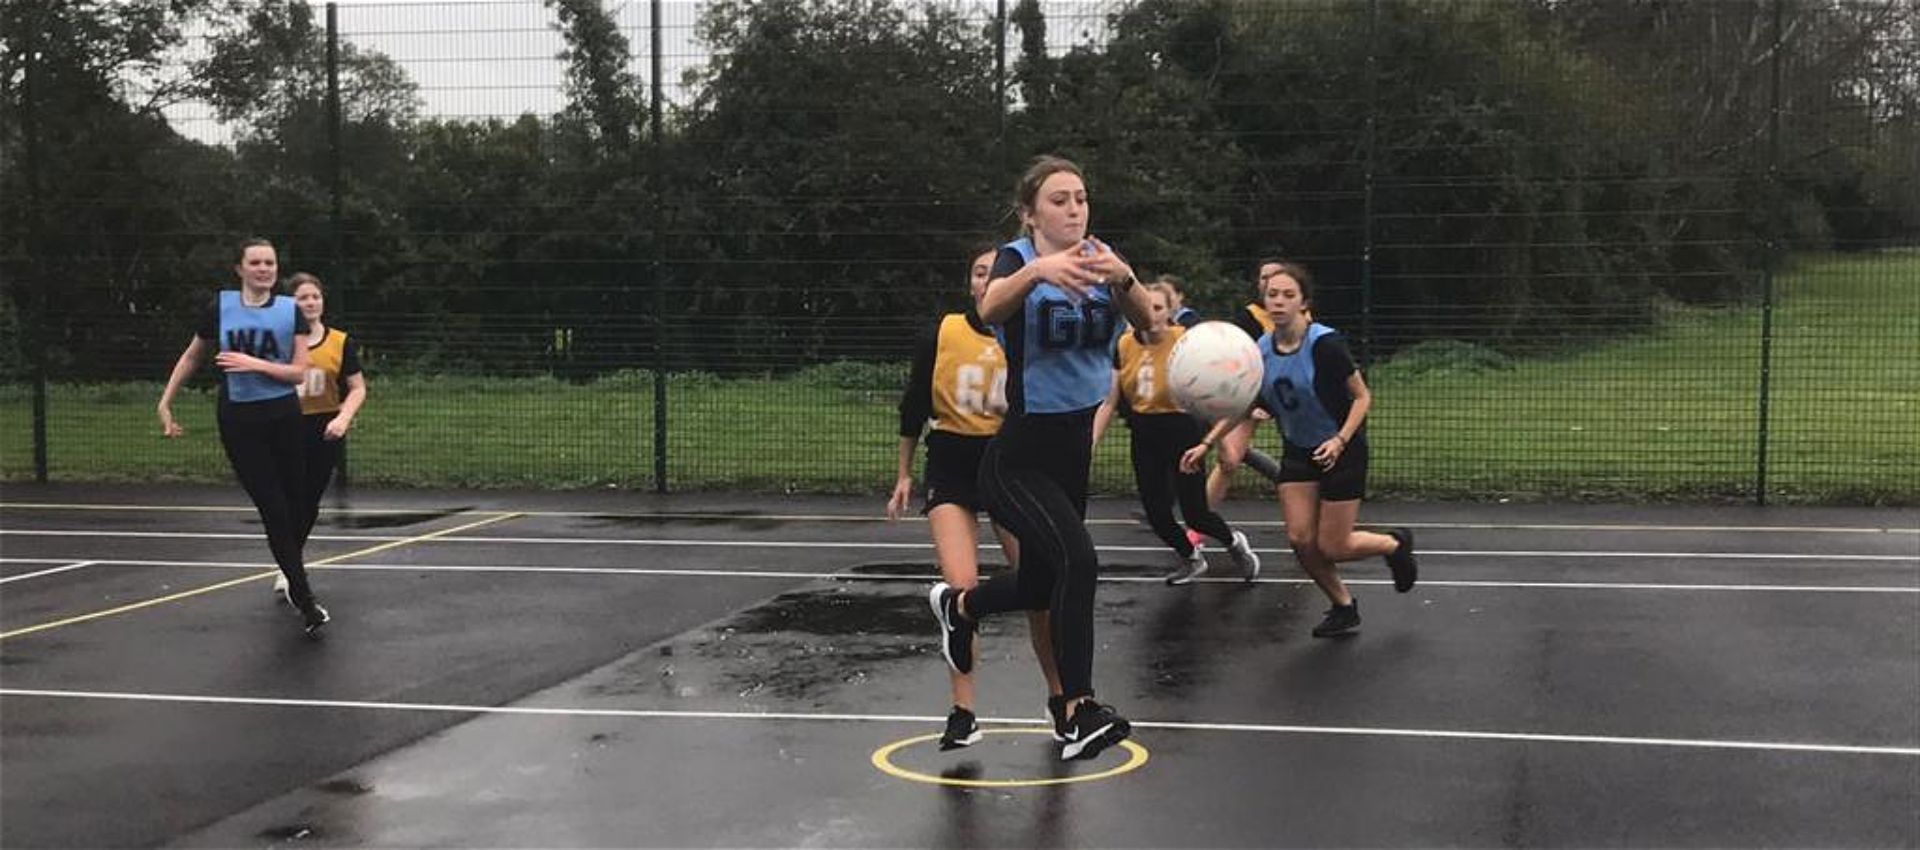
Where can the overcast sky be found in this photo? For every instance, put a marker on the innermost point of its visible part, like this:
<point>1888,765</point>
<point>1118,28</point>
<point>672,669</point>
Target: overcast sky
<point>496,58</point>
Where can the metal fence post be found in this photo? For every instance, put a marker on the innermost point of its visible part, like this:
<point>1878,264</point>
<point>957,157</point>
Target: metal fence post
<point>1367,166</point>
<point>35,336</point>
<point>336,294</point>
<point>1769,263</point>
<point>660,323</point>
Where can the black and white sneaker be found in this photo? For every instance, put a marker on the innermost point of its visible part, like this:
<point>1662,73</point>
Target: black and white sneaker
<point>956,633</point>
<point>314,616</point>
<point>1093,728</point>
<point>1340,620</point>
<point>1244,557</point>
<point>963,730</point>
<point>281,593</point>
<point>1405,567</point>
<point>1187,568</point>
<point>1057,715</point>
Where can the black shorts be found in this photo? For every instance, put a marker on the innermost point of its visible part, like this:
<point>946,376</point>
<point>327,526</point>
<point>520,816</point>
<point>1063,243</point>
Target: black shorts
<point>953,470</point>
<point>1346,481</point>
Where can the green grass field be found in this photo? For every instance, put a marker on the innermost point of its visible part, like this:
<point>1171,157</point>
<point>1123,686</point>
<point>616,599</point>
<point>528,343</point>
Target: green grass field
<point>1668,414</point>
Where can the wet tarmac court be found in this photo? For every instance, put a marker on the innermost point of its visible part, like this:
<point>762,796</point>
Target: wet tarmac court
<point>584,670</point>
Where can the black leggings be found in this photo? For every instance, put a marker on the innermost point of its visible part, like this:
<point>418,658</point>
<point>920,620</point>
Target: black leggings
<point>1033,479</point>
<point>323,457</point>
<point>269,458</point>
<point>1158,441</point>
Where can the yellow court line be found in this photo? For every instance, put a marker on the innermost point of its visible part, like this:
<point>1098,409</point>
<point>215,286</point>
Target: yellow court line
<point>395,544</point>
<point>883,760</point>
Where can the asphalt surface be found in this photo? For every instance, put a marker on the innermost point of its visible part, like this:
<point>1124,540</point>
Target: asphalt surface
<point>630,670</point>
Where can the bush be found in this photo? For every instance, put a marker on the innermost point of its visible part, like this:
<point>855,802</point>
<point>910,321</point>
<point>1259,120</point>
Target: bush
<point>855,375</point>
<point>1443,356</point>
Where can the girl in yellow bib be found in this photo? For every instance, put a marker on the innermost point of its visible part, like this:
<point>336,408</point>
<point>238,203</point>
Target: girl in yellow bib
<point>1160,432</point>
<point>956,392</point>
<point>330,397</point>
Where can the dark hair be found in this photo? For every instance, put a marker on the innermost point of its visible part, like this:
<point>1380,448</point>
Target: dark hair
<point>1042,167</point>
<point>983,246</point>
<point>1174,281</point>
<point>255,242</point>
<point>300,278</point>
<point>1293,270</point>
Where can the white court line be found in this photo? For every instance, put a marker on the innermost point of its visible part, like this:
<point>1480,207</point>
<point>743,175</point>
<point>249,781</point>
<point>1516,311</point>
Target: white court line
<point>48,572</point>
<point>539,711</point>
<point>873,518</point>
<point>916,546</point>
<point>930,575</point>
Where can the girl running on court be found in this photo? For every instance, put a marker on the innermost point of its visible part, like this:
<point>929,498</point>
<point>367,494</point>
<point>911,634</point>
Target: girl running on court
<point>957,394</point>
<point>330,397</point>
<point>1316,394</point>
<point>1052,296</point>
<point>1160,431</point>
<point>262,354</point>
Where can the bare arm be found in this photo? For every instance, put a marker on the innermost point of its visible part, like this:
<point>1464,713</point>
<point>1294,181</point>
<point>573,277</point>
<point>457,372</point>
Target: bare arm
<point>1105,414</point>
<point>183,369</point>
<point>1191,460</point>
<point>1336,445</point>
<point>342,421</point>
<point>1004,294</point>
<point>1070,269</point>
<point>902,478</point>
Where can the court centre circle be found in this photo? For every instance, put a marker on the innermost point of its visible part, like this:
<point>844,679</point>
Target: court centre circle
<point>883,761</point>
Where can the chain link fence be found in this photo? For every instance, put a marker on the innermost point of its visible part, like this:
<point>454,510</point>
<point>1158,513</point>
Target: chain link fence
<point>1584,249</point>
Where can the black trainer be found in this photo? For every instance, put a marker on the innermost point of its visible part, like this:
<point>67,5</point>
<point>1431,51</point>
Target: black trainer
<point>1340,620</point>
<point>1405,567</point>
<point>963,730</point>
<point>956,633</point>
<point>1057,712</point>
<point>315,617</point>
<point>1093,728</point>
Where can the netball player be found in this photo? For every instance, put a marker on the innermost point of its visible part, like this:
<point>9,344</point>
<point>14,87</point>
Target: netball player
<point>1052,298</point>
<point>1160,432</point>
<point>262,354</point>
<point>956,393</point>
<point>1317,395</point>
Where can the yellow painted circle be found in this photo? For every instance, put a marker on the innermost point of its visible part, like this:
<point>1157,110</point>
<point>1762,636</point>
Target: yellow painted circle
<point>883,760</point>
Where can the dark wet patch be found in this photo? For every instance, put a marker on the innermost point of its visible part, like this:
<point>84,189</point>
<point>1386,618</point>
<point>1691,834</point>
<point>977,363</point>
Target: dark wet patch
<point>809,671</point>
<point>290,832</point>
<point>742,520</point>
<point>383,519</point>
<point>349,786</point>
<point>600,737</point>
<point>895,569</point>
<point>839,611</point>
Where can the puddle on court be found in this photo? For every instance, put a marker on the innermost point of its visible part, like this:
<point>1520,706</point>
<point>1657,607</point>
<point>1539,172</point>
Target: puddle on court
<point>330,518</point>
<point>839,610</point>
<point>838,643</point>
<point>389,520</point>
<point>799,647</point>
<point>290,832</point>
<point>346,786</point>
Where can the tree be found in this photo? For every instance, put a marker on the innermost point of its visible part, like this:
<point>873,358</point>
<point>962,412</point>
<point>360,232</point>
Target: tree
<point>843,160</point>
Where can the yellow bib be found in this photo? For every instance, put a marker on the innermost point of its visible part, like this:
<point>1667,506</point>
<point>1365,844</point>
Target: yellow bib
<point>1143,372</point>
<point>969,380</point>
<point>1260,315</point>
<point>321,392</point>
